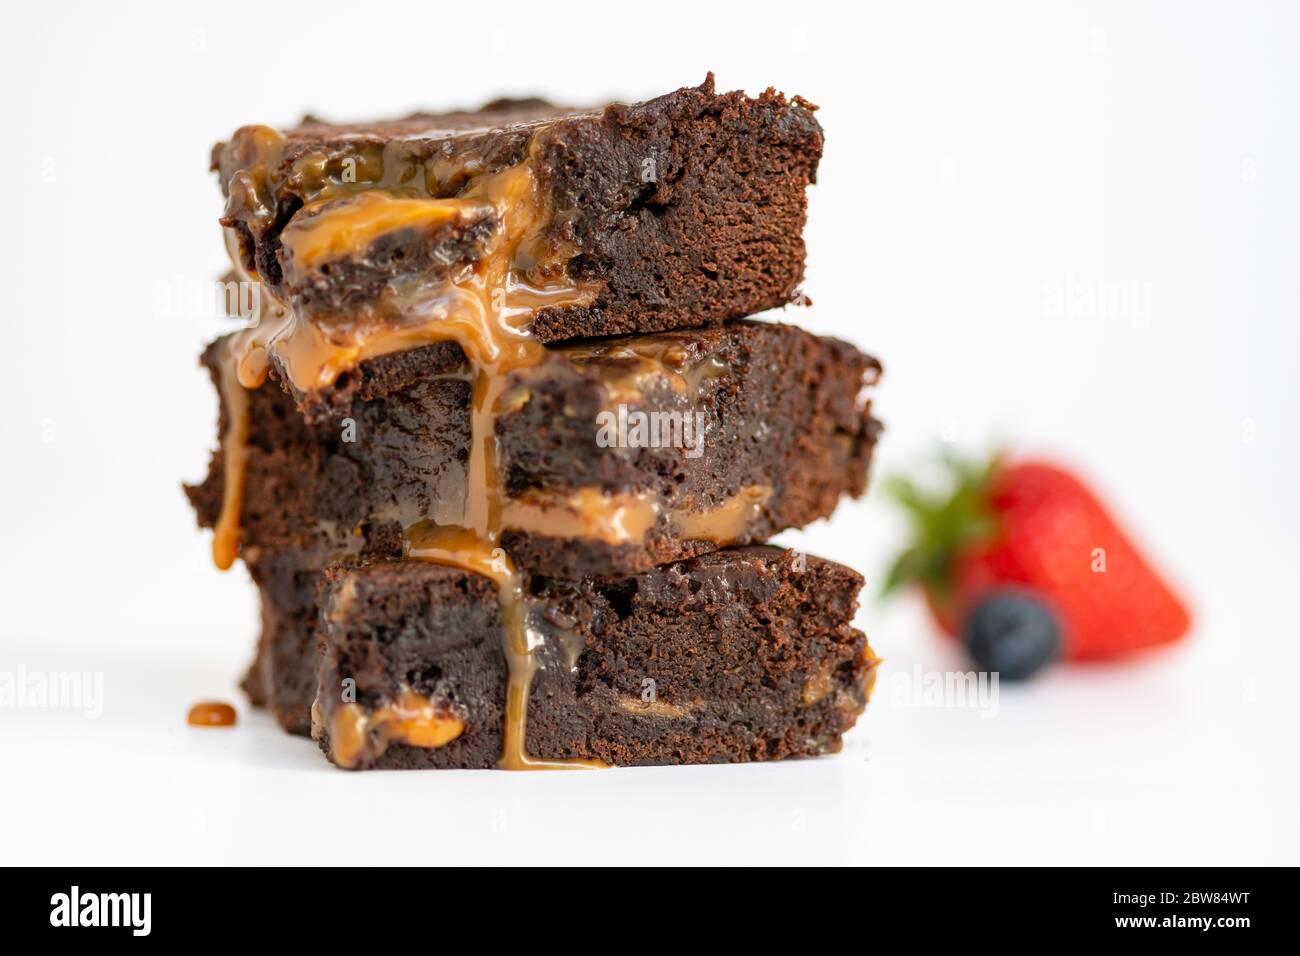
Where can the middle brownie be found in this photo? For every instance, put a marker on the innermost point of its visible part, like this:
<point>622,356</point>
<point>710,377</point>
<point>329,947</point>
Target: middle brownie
<point>615,455</point>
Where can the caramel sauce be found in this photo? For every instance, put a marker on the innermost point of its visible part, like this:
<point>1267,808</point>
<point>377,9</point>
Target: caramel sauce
<point>256,151</point>
<point>388,189</point>
<point>211,713</point>
<point>334,229</point>
<point>630,367</point>
<point>485,321</point>
<point>817,687</point>
<point>486,308</point>
<point>727,523</point>
<point>587,514</point>
<point>234,442</point>
<point>873,662</point>
<point>462,548</point>
<point>411,718</point>
<point>656,708</point>
<point>593,515</point>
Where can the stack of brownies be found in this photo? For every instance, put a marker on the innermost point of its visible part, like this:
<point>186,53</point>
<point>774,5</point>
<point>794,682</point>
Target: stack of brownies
<point>499,447</point>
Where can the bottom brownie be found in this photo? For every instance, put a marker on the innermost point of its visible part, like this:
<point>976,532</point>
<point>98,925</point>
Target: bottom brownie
<point>283,675</point>
<point>741,654</point>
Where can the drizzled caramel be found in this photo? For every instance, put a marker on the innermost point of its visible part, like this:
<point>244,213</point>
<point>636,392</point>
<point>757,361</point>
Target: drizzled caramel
<point>234,399</point>
<point>486,308</point>
<point>461,548</point>
<point>349,201</point>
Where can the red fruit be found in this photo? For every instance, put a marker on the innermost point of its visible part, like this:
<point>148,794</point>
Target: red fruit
<point>1036,526</point>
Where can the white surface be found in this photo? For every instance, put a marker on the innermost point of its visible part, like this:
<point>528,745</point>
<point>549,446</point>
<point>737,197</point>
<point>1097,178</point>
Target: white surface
<point>978,163</point>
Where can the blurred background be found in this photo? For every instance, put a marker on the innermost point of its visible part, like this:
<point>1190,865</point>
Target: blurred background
<point>1071,228</point>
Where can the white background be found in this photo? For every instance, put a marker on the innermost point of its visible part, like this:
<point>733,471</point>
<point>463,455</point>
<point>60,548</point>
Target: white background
<point>980,159</point>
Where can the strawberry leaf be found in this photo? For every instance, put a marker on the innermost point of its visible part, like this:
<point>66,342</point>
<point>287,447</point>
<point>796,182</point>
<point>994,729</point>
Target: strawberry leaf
<point>945,523</point>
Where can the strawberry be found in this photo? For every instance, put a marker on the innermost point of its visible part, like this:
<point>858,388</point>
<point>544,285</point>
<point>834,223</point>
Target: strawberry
<point>1033,526</point>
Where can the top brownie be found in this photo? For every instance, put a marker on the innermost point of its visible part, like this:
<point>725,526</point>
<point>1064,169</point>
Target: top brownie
<point>683,211</point>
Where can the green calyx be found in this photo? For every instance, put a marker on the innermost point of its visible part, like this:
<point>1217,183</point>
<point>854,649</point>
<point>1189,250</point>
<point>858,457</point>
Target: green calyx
<point>945,522</point>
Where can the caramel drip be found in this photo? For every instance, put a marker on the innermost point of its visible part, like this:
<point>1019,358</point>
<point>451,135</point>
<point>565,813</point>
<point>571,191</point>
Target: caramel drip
<point>411,719</point>
<point>486,308</point>
<point>484,323</point>
<point>211,713</point>
<point>461,548</point>
<point>251,191</point>
<point>234,453</point>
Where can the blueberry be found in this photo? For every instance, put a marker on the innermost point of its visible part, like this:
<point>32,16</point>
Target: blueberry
<point>1012,633</point>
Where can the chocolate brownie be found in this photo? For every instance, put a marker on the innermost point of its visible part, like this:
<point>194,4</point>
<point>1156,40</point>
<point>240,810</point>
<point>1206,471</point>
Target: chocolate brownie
<point>612,456</point>
<point>741,654</point>
<point>282,677</point>
<point>682,211</point>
